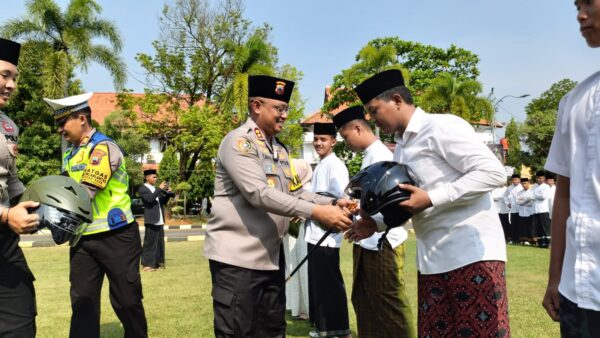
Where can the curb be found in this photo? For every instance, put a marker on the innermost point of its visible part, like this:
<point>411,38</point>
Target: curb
<point>190,238</point>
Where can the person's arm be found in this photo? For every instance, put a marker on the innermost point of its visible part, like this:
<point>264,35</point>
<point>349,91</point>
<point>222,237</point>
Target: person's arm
<point>540,193</point>
<point>560,213</point>
<point>147,196</point>
<point>18,219</point>
<point>457,143</point>
<point>245,170</point>
<point>96,175</point>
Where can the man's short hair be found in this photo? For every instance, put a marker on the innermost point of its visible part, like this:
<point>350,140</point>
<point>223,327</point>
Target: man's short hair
<point>87,112</point>
<point>361,122</point>
<point>400,90</point>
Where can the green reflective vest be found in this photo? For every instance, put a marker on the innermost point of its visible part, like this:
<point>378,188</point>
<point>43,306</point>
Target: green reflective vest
<point>111,205</point>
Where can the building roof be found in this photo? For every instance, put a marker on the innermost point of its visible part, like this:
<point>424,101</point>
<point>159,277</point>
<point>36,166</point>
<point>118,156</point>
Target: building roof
<point>104,103</point>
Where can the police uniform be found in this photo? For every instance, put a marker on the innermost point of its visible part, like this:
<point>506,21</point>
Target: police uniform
<point>17,296</point>
<point>378,291</point>
<point>111,244</point>
<point>256,190</point>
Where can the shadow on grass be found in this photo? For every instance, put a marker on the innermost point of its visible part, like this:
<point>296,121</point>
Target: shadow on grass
<point>112,329</point>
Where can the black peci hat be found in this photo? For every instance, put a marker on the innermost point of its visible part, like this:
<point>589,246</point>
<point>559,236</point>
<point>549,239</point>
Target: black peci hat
<point>540,173</point>
<point>347,115</point>
<point>270,87</point>
<point>324,129</point>
<point>150,172</point>
<point>378,84</point>
<point>524,179</point>
<point>516,176</point>
<point>9,51</point>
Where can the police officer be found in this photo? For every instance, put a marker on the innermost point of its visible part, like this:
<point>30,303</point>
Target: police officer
<point>17,296</point>
<point>111,244</point>
<point>256,190</point>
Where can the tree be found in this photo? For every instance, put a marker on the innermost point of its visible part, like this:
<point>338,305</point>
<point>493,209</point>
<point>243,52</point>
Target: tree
<point>69,36</point>
<point>197,79</point>
<point>458,96</point>
<point>420,65</point>
<point>514,145</point>
<point>539,125</point>
<point>169,167</point>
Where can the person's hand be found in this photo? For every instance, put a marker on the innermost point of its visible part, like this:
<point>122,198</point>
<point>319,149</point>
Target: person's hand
<point>332,217</point>
<point>551,301</point>
<point>20,221</point>
<point>163,185</point>
<point>365,227</point>
<point>418,201</point>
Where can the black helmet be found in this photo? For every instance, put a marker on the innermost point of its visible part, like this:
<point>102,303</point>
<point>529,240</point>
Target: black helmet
<point>65,207</point>
<point>377,188</point>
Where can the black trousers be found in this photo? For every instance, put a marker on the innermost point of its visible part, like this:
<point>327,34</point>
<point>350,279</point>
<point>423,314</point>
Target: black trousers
<point>328,305</point>
<point>505,226</point>
<point>541,228</point>
<point>153,252</point>
<point>115,254</point>
<point>248,303</point>
<point>576,322</point>
<point>514,227</point>
<point>17,303</point>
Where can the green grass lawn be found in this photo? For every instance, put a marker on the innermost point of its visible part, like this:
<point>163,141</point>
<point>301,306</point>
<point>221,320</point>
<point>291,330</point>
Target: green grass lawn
<point>178,302</point>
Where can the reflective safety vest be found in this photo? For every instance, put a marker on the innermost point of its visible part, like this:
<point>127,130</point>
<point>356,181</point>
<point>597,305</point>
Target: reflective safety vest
<point>111,206</point>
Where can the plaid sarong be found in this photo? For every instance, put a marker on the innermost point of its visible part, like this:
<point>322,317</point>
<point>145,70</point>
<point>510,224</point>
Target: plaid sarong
<point>381,306</point>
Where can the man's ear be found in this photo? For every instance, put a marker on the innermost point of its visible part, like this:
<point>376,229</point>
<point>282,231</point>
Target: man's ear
<point>397,99</point>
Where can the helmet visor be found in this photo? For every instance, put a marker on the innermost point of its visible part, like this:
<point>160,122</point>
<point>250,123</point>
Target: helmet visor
<point>63,225</point>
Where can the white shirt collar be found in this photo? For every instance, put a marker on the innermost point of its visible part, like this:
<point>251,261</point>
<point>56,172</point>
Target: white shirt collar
<point>415,124</point>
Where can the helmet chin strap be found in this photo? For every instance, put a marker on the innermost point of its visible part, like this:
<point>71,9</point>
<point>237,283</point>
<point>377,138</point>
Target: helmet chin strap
<point>382,238</point>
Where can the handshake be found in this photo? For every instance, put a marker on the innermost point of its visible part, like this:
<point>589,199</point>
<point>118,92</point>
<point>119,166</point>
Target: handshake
<point>336,217</point>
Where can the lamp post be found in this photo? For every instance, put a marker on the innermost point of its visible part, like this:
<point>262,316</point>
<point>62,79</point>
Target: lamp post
<point>497,102</point>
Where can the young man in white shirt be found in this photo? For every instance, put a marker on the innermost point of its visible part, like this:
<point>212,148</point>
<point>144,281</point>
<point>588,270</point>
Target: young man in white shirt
<point>503,210</point>
<point>525,202</point>
<point>328,308</point>
<point>461,252</point>
<point>541,216</point>
<point>550,180</point>
<point>381,305</point>
<point>510,198</point>
<point>573,292</point>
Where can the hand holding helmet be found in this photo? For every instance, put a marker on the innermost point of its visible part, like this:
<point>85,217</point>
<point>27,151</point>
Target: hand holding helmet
<point>64,207</point>
<point>20,221</point>
<point>381,188</point>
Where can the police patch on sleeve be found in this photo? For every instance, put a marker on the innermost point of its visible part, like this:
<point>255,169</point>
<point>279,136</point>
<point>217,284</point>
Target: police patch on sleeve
<point>295,182</point>
<point>97,173</point>
<point>244,146</point>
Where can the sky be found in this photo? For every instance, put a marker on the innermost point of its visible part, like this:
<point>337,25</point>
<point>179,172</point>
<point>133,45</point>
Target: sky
<point>524,46</point>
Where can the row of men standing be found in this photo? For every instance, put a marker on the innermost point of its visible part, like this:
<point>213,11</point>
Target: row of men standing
<point>526,210</point>
<point>459,236</point>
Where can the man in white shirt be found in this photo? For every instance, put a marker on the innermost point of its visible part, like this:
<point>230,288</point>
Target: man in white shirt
<point>510,198</point>
<point>328,308</point>
<point>503,210</point>
<point>573,292</point>
<point>550,180</point>
<point>381,305</point>
<point>525,201</point>
<point>461,252</point>
<point>541,215</point>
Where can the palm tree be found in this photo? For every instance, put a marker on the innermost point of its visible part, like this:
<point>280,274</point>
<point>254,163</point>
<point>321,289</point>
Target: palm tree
<point>458,96</point>
<point>68,35</point>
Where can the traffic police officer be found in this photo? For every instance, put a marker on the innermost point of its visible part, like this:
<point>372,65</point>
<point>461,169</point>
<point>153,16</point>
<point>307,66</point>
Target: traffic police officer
<point>256,190</point>
<point>111,244</point>
<point>17,296</point>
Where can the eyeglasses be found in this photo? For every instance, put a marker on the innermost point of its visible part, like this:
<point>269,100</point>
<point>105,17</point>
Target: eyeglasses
<point>280,108</point>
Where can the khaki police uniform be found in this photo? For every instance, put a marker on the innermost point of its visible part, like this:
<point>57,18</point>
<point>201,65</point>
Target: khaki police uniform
<point>17,296</point>
<point>256,190</point>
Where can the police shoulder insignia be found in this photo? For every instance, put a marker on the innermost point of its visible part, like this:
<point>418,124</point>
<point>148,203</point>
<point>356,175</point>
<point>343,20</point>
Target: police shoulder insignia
<point>244,146</point>
<point>98,172</point>
<point>259,134</point>
<point>272,181</point>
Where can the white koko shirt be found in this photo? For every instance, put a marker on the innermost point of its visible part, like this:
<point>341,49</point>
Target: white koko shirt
<point>458,171</point>
<point>575,153</point>
<point>330,176</point>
